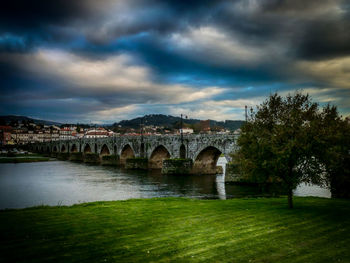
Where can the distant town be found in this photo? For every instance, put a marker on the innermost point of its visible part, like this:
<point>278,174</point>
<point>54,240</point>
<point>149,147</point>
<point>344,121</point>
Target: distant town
<point>20,131</point>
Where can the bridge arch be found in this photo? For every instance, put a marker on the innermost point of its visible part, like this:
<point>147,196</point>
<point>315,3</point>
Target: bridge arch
<point>105,150</point>
<point>115,149</point>
<point>87,148</point>
<point>63,148</point>
<point>142,150</point>
<point>158,155</point>
<point>127,152</point>
<point>182,151</point>
<point>206,159</point>
<point>74,148</point>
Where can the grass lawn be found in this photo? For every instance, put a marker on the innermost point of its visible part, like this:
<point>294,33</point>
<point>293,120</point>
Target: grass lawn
<point>180,230</point>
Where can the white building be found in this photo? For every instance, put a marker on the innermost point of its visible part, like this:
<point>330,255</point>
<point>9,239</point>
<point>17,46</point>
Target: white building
<point>237,132</point>
<point>98,133</point>
<point>67,133</point>
<point>186,131</point>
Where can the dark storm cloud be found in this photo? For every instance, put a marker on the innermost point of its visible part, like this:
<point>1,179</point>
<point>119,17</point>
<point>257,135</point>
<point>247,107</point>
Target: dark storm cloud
<point>25,25</point>
<point>311,33</point>
<point>320,28</point>
<point>168,64</point>
<point>29,88</point>
<point>258,46</point>
<point>23,16</point>
<point>325,39</point>
<point>312,28</point>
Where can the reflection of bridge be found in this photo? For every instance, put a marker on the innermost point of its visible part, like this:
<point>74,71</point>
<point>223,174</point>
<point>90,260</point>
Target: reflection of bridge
<point>203,150</point>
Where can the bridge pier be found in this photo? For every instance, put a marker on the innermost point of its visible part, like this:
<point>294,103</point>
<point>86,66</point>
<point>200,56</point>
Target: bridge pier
<point>76,157</point>
<point>63,156</point>
<point>137,163</point>
<point>92,158</point>
<point>110,159</point>
<point>177,166</point>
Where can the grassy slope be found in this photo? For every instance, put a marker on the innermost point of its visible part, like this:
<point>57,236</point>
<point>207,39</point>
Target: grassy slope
<point>180,230</point>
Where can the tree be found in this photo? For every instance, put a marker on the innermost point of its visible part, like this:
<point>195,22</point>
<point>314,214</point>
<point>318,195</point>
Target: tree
<point>277,143</point>
<point>333,138</point>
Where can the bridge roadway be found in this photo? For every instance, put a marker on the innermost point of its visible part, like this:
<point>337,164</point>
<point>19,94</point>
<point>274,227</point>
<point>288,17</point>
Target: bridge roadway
<point>203,149</point>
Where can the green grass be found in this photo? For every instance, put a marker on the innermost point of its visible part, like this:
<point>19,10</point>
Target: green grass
<point>180,230</point>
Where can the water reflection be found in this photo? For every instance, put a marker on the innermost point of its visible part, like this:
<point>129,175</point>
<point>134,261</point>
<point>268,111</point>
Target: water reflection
<point>220,186</point>
<point>312,190</point>
<point>67,183</point>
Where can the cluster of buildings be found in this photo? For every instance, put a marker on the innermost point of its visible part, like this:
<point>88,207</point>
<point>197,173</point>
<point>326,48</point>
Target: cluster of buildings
<point>30,133</point>
<point>23,133</point>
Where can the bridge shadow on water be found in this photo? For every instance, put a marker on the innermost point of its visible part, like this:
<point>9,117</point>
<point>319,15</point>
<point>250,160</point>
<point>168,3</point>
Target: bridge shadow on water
<point>194,186</point>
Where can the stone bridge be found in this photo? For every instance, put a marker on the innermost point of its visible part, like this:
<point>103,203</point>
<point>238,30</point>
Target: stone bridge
<point>202,150</point>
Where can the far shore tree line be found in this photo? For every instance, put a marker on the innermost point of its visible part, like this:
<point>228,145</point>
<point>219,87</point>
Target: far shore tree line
<point>291,140</point>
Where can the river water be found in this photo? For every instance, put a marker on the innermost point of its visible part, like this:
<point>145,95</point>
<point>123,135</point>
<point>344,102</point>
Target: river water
<point>67,183</point>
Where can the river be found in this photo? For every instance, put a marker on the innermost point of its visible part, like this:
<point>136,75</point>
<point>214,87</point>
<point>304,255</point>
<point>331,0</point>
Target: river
<point>66,183</point>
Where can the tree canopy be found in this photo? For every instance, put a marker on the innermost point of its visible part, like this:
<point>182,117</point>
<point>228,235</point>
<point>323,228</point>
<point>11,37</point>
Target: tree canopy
<point>333,138</point>
<point>290,141</point>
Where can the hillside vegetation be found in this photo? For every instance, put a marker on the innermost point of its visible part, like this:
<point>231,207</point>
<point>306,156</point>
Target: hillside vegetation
<point>171,121</point>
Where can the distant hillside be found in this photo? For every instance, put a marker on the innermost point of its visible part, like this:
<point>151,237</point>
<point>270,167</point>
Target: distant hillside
<point>230,124</point>
<point>7,119</point>
<point>169,121</point>
<point>153,119</point>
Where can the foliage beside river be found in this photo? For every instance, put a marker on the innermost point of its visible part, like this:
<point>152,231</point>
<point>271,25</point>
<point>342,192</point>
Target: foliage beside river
<point>180,230</point>
<point>23,158</point>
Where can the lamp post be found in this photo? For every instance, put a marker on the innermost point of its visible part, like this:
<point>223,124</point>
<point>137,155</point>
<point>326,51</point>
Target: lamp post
<point>181,124</point>
<point>141,134</point>
<point>50,139</point>
<point>114,146</point>
<point>95,140</point>
<point>16,136</point>
<point>141,129</point>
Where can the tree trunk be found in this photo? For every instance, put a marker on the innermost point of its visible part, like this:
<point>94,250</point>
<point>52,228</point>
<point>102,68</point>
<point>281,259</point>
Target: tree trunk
<point>290,198</point>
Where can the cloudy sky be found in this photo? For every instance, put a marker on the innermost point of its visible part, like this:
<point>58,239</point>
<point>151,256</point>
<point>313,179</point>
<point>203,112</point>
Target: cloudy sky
<point>107,60</point>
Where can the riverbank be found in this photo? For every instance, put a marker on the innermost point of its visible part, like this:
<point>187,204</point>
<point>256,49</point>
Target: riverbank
<point>24,158</point>
<point>180,230</point>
